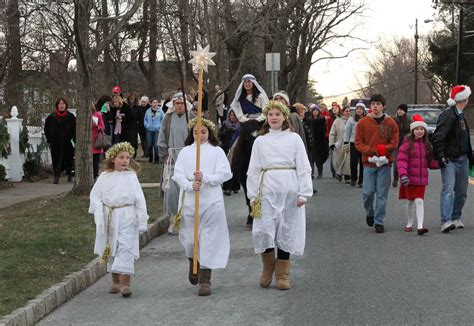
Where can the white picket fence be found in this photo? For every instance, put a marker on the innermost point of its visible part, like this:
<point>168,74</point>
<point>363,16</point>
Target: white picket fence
<point>14,162</point>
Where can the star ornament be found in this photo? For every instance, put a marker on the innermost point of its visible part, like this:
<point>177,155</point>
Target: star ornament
<point>202,58</point>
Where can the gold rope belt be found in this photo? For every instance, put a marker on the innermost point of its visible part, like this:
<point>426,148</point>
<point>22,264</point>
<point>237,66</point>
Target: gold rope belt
<point>256,208</point>
<point>105,256</point>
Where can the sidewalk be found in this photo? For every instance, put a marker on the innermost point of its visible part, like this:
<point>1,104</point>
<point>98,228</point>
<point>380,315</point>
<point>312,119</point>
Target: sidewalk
<point>24,191</point>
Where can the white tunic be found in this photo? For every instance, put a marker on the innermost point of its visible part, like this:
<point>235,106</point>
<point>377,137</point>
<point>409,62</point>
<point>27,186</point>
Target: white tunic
<point>283,224</point>
<point>341,159</point>
<point>119,189</point>
<point>214,243</point>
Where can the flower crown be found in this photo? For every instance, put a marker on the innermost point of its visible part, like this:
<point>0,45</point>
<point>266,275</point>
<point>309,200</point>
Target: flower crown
<point>276,105</point>
<point>113,151</point>
<point>206,123</point>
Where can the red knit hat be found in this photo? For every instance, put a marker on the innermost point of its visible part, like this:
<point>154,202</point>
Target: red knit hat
<point>117,90</point>
<point>459,93</point>
<point>418,122</point>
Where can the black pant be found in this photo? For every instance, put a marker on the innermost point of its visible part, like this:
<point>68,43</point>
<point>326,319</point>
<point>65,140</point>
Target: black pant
<point>95,164</point>
<point>142,134</point>
<point>281,254</point>
<point>356,164</point>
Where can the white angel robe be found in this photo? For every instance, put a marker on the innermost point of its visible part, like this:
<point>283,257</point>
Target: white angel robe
<point>283,223</point>
<point>119,189</point>
<point>214,243</point>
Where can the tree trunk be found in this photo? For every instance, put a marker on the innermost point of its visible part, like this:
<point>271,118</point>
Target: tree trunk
<point>13,88</point>
<point>107,82</point>
<point>152,77</point>
<point>83,157</point>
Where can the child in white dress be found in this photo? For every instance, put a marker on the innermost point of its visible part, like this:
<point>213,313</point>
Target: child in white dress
<point>279,184</point>
<point>119,207</point>
<point>214,244</point>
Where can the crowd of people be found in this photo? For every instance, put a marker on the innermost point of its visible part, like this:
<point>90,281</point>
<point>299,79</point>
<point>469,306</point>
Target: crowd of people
<point>272,148</point>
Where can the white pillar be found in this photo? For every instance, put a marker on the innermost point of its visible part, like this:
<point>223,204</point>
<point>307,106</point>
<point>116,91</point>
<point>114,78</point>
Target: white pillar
<point>14,159</point>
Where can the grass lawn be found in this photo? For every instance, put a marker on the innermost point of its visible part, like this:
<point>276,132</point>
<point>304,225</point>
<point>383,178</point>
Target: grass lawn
<point>43,240</point>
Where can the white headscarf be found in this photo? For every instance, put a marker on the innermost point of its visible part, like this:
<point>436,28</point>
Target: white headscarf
<point>238,92</point>
<point>177,96</point>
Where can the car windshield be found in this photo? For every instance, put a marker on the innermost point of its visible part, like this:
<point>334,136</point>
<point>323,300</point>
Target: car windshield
<point>430,116</point>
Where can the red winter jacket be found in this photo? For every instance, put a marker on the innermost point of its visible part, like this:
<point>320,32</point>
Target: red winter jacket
<point>414,165</point>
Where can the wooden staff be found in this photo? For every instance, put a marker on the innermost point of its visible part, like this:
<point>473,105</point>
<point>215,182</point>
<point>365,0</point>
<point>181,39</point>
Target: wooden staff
<point>198,168</point>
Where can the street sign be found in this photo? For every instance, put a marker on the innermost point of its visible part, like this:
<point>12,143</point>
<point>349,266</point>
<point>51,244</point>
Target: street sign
<point>272,61</point>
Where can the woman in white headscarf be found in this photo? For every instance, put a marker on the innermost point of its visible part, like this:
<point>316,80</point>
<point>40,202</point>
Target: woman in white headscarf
<point>249,100</point>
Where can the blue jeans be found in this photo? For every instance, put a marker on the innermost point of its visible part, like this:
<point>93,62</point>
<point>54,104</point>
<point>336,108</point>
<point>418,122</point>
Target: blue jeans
<point>455,178</point>
<point>376,180</point>
<point>152,143</point>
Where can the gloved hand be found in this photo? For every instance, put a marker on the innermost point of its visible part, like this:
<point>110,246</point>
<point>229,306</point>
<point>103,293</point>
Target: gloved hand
<point>332,147</point>
<point>443,161</point>
<point>404,180</point>
<point>381,150</point>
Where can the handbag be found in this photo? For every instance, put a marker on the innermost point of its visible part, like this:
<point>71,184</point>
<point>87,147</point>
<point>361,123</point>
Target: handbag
<point>102,140</point>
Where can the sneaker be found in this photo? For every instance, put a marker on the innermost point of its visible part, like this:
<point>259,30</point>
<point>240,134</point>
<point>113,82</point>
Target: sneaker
<point>369,220</point>
<point>458,224</point>
<point>338,177</point>
<point>227,192</point>
<point>408,229</point>
<point>395,183</point>
<point>379,228</point>
<point>422,231</point>
<point>353,183</point>
<point>448,226</point>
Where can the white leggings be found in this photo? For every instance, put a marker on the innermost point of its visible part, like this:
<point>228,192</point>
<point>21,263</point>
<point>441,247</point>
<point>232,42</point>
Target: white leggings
<point>415,207</point>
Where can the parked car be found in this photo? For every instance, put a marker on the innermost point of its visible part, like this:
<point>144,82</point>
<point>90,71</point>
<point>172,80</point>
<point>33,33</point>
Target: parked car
<point>429,113</point>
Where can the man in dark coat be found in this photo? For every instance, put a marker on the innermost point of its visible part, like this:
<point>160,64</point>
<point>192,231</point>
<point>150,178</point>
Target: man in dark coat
<point>60,132</point>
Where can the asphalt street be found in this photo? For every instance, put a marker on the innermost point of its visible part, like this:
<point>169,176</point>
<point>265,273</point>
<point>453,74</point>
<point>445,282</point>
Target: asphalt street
<point>348,274</point>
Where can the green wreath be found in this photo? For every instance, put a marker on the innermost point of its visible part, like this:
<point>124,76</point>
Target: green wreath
<point>24,140</point>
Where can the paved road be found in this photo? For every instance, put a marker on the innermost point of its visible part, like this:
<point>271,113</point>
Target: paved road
<point>348,275</point>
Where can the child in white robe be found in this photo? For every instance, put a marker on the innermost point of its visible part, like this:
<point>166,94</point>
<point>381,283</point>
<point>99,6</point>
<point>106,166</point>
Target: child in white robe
<point>278,184</point>
<point>214,244</point>
<point>119,207</point>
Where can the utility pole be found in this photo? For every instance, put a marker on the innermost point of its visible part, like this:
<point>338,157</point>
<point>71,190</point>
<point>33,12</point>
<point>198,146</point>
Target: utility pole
<point>416,62</point>
<point>458,51</point>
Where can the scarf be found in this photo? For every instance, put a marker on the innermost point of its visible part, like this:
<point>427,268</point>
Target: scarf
<point>249,108</point>
<point>60,114</point>
<point>118,124</point>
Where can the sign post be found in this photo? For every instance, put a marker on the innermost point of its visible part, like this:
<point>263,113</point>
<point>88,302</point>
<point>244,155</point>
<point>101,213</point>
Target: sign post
<point>272,63</point>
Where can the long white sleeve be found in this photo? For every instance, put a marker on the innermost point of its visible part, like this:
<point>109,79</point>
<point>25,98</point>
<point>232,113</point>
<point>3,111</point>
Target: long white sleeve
<point>253,173</point>
<point>333,134</point>
<point>348,130</point>
<point>303,170</point>
<point>179,175</point>
<point>96,206</point>
<point>140,206</point>
<point>222,170</point>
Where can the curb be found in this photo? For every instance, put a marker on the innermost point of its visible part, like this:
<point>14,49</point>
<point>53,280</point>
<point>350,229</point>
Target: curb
<point>72,284</point>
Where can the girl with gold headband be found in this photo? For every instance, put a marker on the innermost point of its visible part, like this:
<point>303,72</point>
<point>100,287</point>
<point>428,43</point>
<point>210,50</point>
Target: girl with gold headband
<point>214,244</point>
<point>279,184</point>
<point>119,207</point>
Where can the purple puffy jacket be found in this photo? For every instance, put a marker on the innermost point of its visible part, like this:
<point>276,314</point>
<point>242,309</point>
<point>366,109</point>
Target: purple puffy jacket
<point>414,165</point>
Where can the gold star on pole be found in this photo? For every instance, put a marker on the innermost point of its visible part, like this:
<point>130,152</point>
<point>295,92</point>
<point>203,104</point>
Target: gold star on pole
<point>202,58</point>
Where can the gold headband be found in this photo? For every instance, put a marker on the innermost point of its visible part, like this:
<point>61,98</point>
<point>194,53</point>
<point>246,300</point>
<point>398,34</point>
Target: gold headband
<point>119,147</point>
<point>276,105</point>
<point>206,123</point>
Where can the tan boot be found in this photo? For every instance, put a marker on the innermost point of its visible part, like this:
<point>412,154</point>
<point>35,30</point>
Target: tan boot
<point>115,288</point>
<point>204,282</point>
<point>268,260</point>
<point>282,269</point>
<point>125,284</point>
<point>193,278</point>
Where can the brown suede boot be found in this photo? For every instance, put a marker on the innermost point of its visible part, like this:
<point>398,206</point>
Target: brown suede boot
<point>193,278</point>
<point>115,288</point>
<point>204,282</point>
<point>125,286</point>
<point>268,260</point>
<point>282,269</point>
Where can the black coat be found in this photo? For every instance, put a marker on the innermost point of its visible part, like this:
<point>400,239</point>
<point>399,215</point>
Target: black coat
<point>320,144</point>
<point>130,124</point>
<point>60,132</point>
<point>446,136</point>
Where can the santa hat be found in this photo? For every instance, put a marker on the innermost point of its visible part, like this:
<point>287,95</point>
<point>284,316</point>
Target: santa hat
<point>459,93</point>
<point>418,122</point>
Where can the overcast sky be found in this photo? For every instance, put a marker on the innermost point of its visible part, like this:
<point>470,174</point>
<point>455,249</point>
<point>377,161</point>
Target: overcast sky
<point>385,19</point>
